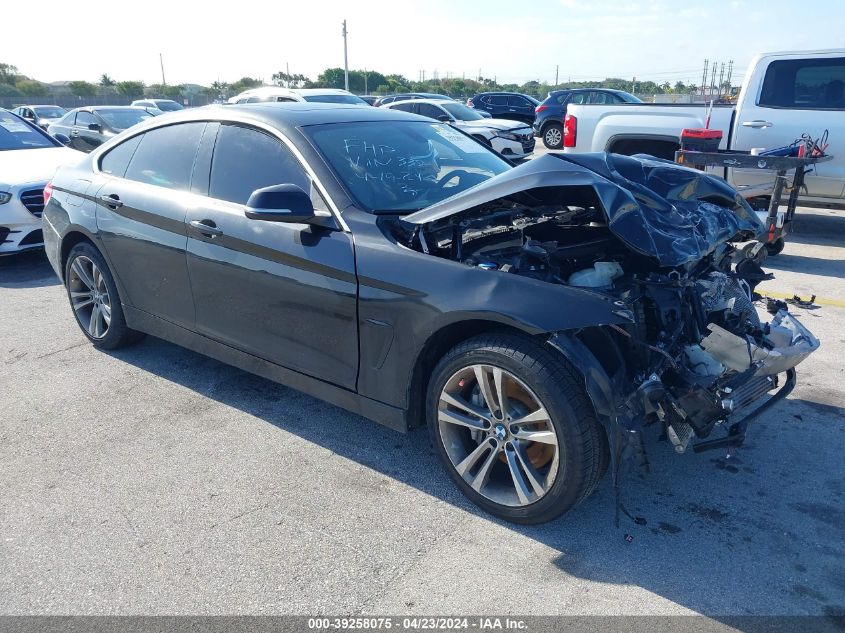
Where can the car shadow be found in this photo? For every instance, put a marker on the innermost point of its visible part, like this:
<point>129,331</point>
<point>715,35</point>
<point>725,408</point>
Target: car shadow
<point>29,269</point>
<point>760,532</point>
<point>806,265</point>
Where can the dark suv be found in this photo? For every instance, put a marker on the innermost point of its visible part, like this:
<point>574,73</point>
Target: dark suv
<point>505,105</point>
<point>548,123</point>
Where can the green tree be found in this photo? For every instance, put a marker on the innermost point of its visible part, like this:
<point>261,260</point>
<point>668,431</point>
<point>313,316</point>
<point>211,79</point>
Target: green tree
<point>8,90</point>
<point>331,78</point>
<point>82,88</point>
<point>31,88</point>
<point>8,74</point>
<point>106,81</point>
<point>680,86</point>
<point>245,83</point>
<point>130,88</point>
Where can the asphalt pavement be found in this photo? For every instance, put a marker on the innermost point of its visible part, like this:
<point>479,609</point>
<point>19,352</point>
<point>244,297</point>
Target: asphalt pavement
<point>156,481</point>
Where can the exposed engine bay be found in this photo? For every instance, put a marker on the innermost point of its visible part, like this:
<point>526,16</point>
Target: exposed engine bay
<point>661,240</point>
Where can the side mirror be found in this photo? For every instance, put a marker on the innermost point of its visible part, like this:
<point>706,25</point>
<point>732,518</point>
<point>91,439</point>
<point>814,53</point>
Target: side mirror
<point>95,127</point>
<point>283,203</point>
<point>445,118</point>
<point>62,138</point>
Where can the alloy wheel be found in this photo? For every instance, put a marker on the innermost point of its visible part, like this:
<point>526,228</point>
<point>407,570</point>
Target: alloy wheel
<point>89,297</point>
<point>498,435</point>
<point>552,137</point>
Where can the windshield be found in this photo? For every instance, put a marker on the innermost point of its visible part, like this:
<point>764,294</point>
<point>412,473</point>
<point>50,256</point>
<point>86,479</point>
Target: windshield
<point>15,134</point>
<point>167,106</point>
<point>461,112</point>
<point>49,113</point>
<point>350,99</point>
<point>403,166</point>
<point>627,97</point>
<point>123,119</point>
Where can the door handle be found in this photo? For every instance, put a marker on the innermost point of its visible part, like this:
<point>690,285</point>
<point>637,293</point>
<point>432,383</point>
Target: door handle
<point>206,227</point>
<point>757,124</point>
<point>111,200</point>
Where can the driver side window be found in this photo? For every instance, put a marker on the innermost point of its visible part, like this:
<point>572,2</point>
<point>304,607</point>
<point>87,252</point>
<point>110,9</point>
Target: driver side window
<point>431,111</point>
<point>246,159</point>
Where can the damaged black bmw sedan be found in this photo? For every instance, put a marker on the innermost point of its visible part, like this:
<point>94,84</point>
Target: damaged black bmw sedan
<point>540,319</point>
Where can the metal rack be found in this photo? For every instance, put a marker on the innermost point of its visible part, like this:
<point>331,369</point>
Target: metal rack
<point>778,222</point>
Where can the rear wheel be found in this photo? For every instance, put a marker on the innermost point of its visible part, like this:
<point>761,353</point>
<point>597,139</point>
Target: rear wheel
<point>95,300</point>
<point>553,136</point>
<point>512,426</point>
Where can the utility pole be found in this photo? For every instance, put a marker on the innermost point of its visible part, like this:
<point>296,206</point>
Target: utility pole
<point>712,80</point>
<point>161,61</point>
<point>730,72</point>
<point>721,79</point>
<point>557,68</point>
<point>345,60</point>
<point>704,79</point>
<point>365,82</point>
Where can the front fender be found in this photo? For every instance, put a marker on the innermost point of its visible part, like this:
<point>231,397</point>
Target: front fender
<point>407,298</point>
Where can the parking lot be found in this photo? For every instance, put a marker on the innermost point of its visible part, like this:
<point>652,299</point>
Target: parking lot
<point>156,481</point>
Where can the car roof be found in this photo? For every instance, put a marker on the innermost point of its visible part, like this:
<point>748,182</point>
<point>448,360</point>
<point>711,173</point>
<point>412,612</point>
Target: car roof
<point>431,101</point>
<point>40,105</point>
<point>97,108</point>
<point>285,115</point>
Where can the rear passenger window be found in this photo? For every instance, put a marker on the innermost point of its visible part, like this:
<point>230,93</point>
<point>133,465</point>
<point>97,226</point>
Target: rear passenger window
<point>85,119</point>
<point>805,84</point>
<point>246,159</point>
<point>117,160</point>
<point>431,111</point>
<point>165,156</point>
<point>405,107</point>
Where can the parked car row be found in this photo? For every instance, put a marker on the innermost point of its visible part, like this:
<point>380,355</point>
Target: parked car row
<point>28,159</point>
<point>511,139</point>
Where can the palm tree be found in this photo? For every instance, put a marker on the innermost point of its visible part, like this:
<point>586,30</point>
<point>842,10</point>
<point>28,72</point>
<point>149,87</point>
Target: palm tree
<point>106,81</point>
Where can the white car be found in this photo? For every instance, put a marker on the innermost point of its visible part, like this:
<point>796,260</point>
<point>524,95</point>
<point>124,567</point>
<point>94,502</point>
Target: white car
<point>315,95</point>
<point>28,159</point>
<point>157,107</point>
<point>510,138</point>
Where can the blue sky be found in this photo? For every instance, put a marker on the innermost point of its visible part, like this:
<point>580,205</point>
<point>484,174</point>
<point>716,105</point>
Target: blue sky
<point>659,40</point>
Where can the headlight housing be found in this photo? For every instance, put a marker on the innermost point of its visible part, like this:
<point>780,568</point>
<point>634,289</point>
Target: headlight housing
<point>508,135</point>
<point>5,197</point>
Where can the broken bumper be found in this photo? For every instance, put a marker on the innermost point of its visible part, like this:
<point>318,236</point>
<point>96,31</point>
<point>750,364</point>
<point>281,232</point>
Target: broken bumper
<point>792,344</point>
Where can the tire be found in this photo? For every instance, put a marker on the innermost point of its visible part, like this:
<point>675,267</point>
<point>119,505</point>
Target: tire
<point>90,287</point>
<point>775,247</point>
<point>553,136</point>
<point>552,482</point>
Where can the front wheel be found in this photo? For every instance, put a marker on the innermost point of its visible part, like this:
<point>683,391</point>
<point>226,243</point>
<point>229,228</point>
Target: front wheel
<point>95,300</point>
<point>553,136</point>
<point>775,247</point>
<point>511,423</point>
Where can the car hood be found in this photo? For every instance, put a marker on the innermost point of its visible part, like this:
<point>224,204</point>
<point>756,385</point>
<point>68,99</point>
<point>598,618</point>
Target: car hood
<point>494,124</point>
<point>671,213</point>
<point>21,166</point>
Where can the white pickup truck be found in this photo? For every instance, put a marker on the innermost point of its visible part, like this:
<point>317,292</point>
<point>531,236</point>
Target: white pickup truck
<point>784,95</point>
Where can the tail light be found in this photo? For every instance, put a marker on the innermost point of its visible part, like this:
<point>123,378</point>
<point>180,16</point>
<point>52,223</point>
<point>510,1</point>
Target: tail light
<point>48,192</point>
<point>540,108</point>
<point>570,130</point>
